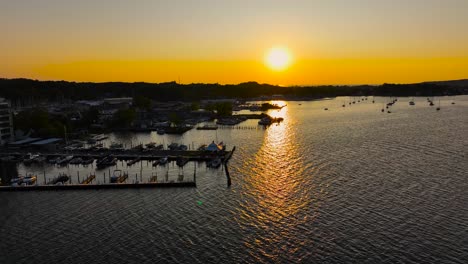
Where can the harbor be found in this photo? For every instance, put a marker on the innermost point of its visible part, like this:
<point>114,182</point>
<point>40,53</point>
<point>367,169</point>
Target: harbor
<point>115,168</point>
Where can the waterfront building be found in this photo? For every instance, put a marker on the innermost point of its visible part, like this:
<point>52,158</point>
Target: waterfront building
<point>6,122</point>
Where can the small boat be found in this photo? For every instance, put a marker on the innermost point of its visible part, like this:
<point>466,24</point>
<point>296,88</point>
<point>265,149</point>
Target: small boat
<point>453,103</point>
<point>183,147</point>
<point>133,161</point>
<point>118,177</point>
<point>106,162</point>
<point>438,107</point>
<point>160,131</point>
<point>389,112</point>
<point>155,163</point>
<point>181,161</point>
<point>87,161</point>
<point>163,160</point>
<point>202,147</point>
<point>64,160</point>
<point>89,179</point>
<point>431,103</point>
<point>173,146</point>
<point>23,181</point>
<point>61,179</point>
<point>326,109</point>
<point>101,159</point>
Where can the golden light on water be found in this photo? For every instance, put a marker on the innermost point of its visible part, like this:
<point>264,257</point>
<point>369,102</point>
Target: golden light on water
<point>278,58</point>
<point>276,113</point>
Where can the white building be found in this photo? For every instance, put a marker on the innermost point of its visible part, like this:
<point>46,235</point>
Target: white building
<point>6,122</point>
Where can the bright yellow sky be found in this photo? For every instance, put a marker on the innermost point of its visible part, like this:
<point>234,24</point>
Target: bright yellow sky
<point>330,42</point>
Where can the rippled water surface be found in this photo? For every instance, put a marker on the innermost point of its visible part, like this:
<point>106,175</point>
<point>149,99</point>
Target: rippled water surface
<point>349,184</point>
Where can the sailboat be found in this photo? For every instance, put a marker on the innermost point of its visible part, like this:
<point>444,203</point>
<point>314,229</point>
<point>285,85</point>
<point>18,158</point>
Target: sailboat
<point>438,107</point>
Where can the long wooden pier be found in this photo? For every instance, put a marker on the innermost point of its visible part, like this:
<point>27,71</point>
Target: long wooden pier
<point>97,186</point>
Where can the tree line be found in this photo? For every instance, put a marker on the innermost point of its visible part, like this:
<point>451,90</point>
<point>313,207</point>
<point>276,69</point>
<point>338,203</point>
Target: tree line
<point>22,89</point>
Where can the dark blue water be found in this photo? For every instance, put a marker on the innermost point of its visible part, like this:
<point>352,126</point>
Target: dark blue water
<point>345,185</point>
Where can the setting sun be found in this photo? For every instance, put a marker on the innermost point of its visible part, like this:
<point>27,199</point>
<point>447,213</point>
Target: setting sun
<point>278,59</point>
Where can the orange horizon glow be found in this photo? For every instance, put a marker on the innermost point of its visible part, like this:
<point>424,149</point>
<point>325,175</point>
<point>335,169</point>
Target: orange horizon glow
<point>326,42</point>
<point>301,72</point>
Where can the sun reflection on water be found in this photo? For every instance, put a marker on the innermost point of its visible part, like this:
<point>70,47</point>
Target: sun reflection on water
<point>276,205</point>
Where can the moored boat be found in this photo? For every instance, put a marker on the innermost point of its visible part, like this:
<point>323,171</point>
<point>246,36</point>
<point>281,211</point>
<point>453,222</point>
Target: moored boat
<point>23,181</point>
<point>163,160</point>
<point>60,179</point>
<point>118,177</point>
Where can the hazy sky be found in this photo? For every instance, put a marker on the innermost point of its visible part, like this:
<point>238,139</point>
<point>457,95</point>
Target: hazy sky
<point>331,41</point>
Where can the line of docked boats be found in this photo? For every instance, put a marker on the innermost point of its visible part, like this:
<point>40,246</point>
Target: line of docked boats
<point>30,180</point>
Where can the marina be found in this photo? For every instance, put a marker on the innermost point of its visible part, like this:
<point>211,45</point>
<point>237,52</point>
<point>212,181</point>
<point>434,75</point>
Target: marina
<point>105,161</point>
